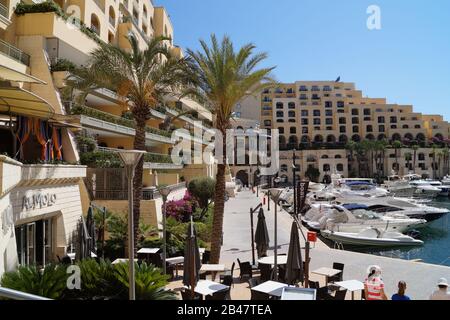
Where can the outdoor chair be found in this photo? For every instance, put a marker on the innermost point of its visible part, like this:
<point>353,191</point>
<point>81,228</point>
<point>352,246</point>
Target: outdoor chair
<point>265,271</point>
<point>256,295</point>
<point>206,256</point>
<point>281,273</point>
<point>170,270</point>
<point>227,278</point>
<point>219,295</point>
<point>252,282</point>
<point>245,269</point>
<point>321,292</point>
<point>186,295</point>
<point>340,295</point>
<point>202,276</point>
<point>339,276</point>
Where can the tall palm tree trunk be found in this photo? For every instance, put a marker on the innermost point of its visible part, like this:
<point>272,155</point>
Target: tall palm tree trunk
<point>414,161</point>
<point>139,144</point>
<point>219,206</point>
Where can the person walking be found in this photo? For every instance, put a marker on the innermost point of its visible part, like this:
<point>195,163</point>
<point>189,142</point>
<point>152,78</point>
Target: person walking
<point>442,292</point>
<point>400,295</point>
<point>374,285</point>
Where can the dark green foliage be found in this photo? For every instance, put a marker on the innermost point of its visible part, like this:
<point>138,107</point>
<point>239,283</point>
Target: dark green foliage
<point>313,174</point>
<point>99,159</point>
<point>63,65</point>
<point>202,189</point>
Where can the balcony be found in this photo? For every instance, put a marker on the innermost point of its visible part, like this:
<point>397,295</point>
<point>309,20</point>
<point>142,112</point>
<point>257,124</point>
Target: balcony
<point>14,53</point>
<point>4,16</point>
<point>32,172</point>
<point>102,120</point>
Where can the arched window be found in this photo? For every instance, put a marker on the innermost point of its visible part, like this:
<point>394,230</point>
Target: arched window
<point>370,137</point>
<point>439,136</point>
<point>326,167</point>
<point>95,24</point>
<point>343,139</point>
<point>338,156</point>
<point>282,141</point>
<point>279,105</point>
<point>291,105</point>
<point>318,139</point>
<point>291,114</point>
<point>284,167</point>
<point>409,137</point>
<point>305,140</point>
<point>396,137</point>
<point>421,157</point>
<point>324,156</point>
<point>405,126</point>
<point>356,138</point>
<point>381,137</point>
<point>420,137</point>
<point>340,167</point>
<point>112,16</point>
<point>110,37</point>
<point>331,138</point>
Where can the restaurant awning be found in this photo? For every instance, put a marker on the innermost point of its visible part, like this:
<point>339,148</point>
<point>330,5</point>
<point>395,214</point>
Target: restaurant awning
<point>9,74</point>
<point>18,101</point>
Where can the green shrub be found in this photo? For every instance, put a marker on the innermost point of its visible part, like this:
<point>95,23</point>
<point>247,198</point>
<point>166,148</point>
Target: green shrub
<point>86,144</point>
<point>46,6</point>
<point>150,282</point>
<point>202,189</point>
<point>50,282</point>
<point>63,65</point>
<point>99,159</point>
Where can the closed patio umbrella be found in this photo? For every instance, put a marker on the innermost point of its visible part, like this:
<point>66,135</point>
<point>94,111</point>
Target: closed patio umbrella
<point>192,263</point>
<point>294,266</point>
<point>90,226</point>
<point>261,235</point>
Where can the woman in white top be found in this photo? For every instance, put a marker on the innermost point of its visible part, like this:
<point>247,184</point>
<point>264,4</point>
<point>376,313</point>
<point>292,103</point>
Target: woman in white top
<point>442,292</point>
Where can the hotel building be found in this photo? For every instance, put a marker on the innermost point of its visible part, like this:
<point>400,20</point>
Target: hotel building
<point>316,120</point>
<point>44,188</point>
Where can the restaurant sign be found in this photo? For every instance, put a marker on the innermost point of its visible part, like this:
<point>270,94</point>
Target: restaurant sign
<point>38,201</point>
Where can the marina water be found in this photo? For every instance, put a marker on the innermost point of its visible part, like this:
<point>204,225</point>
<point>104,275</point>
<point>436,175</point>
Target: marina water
<point>436,237</point>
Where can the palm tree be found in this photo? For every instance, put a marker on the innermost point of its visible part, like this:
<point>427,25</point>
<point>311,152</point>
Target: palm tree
<point>351,148</point>
<point>226,76</point>
<point>408,158</point>
<point>414,147</point>
<point>433,153</point>
<point>397,145</point>
<point>142,78</point>
<point>446,155</point>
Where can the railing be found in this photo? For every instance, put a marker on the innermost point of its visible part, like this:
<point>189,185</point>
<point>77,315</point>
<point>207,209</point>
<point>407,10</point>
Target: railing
<point>19,295</point>
<point>148,156</point>
<point>3,11</point>
<point>14,53</point>
<point>108,117</point>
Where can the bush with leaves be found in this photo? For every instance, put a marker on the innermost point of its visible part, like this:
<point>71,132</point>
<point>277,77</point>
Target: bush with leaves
<point>150,282</point>
<point>50,282</point>
<point>202,190</point>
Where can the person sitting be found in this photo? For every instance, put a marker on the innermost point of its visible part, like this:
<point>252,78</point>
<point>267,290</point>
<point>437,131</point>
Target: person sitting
<point>400,295</point>
<point>374,285</point>
<point>442,292</point>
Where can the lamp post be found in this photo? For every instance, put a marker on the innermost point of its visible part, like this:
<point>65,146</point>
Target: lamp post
<point>275,194</point>
<point>164,194</point>
<point>130,159</point>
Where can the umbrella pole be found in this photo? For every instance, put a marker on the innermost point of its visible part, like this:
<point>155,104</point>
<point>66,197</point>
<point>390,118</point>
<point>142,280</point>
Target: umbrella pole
<point>253,236</point>
<point>306,271</point>
<point>193,266</point>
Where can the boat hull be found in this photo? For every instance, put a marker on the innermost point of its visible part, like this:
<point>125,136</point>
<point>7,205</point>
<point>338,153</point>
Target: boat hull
<point>348,239</point>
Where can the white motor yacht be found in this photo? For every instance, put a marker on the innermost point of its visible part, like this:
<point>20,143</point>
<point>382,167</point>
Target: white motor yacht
<point>371,237</point>
<point>399,187</point>
<point>355,217</point>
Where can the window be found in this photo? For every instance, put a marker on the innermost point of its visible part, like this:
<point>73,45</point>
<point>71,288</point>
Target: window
<point>355,120</point>
<point>381,128</point>
<point>291,114</point>
<point>367,119</point>
<point>304,121</point>
<point>280,114</point>
<point>417,126</point>
<point>303,97</point>
<point>304,113</point>
<point>280,105</point>
<point>369,128</point>
<point>326,88</point>
<point>393,126</point>
<point>315,97</point>
<point>293,130</point>
<point>267,123</point>
<point>367,112</point>
<point>342,120</point>
<point>355,129</point>
<point>329,128</point>
<point>381,120</point>
<point>340,104</point>
<point>303,88</point>
<point>342,129</point>
<point>305,130</point>
<point>280,130</point>
<point>329,113</point>
<point>326,167</point>
<point>329,121</point>
<point>316,113</point>
<point>355,112</point>
<point>316,121</point>
<point>340,167</point>
<point>291,105</point>
<point>315,88</point>
<point>317,128</point>
<point>393,119</point>
<point>328,104</point>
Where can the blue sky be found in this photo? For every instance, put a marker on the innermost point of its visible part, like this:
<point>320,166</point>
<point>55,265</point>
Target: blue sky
<point>407,61</point>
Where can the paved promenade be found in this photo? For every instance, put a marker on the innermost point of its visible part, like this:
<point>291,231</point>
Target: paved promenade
<point>421,278</point>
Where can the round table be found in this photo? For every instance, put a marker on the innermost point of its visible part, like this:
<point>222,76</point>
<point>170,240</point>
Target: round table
<point>271,260</point>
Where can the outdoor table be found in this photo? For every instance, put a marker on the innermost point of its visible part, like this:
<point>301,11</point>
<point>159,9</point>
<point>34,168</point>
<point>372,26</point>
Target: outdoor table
<point>272,288</point>
<point>290,293</point>
<point>207,287</point>
<point>351,285</point>
<point>271,260</point>
<point>149,250</point>
<point>176,261</point>
<point>213,268</point>
<point>327,272</point>
<point>122,260</point>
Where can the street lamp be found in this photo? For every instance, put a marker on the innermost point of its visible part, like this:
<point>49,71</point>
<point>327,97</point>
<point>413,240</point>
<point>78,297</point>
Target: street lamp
<point>130,159</point>
<point>164,192</point>
<point>275,194</point>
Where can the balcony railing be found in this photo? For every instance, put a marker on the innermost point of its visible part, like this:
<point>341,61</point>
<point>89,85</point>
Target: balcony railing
<point>148,157</point>
<point>14,53</point>
<point>104,116</point>
<point>4,11</point>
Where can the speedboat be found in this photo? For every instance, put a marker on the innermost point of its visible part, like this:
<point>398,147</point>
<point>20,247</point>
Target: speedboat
<point>399,187</point>
<point>424,189</point>
<point>356,217</point>
<point>372,237</point>
<point>446,181</point>
<point>445,189</point>
<point>362,187</point>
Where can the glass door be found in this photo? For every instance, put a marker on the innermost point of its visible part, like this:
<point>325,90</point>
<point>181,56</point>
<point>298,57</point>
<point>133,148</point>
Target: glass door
<point>31,243</point>
<point>47,240</point>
